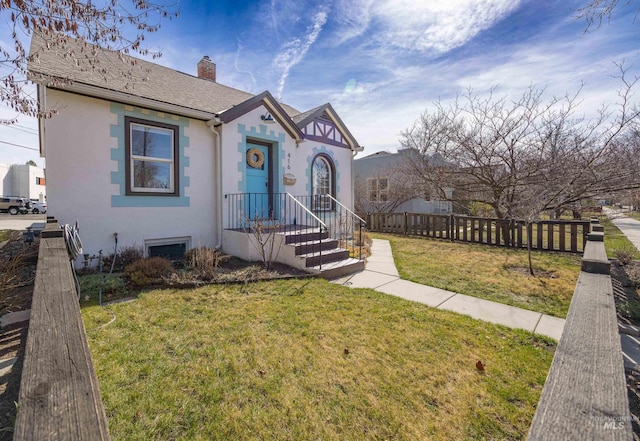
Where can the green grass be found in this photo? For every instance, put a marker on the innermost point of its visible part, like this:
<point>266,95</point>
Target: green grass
<point>113,286</point>
<point>5,235</point>
<point>615,241</point>
<point>492,273</point>
<point>632,214</point>
<point>306,359</point>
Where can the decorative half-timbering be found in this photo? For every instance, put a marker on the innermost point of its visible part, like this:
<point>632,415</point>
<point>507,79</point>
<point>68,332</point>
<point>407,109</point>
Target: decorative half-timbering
<point>323,124</point>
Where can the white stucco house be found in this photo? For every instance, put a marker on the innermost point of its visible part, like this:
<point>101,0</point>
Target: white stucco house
<point>171,161</point>
<point>23,180</point>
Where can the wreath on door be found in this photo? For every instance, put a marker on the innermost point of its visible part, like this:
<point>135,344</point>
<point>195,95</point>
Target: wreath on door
<point>255,158</point>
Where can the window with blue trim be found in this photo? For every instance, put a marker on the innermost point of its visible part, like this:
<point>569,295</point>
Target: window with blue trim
<point>322,182</point>
<point>152,160</point>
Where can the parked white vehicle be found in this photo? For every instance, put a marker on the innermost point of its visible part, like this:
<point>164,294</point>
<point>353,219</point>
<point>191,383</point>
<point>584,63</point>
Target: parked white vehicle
<point>37,207</point>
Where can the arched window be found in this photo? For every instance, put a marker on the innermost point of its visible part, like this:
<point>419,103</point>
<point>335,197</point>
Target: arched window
<point>322,182</point>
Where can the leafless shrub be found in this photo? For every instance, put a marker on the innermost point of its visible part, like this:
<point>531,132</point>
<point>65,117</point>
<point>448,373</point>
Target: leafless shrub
<point>624,255</point>
<point>149,271</point>
<point>14,265</point>
<point>264,232</point>
<point>125,257</point>
<point>205,261</point>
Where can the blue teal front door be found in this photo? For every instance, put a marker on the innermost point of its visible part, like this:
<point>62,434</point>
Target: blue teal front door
<point>257,176</point>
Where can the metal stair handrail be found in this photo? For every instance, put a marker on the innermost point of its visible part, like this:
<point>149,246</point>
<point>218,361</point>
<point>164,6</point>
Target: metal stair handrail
<point>313,216</point>
<point>346,209</point>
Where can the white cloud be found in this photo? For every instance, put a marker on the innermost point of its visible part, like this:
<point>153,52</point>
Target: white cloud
<point>438,26</point>
<point>294,51</point>
<point>353,18</point>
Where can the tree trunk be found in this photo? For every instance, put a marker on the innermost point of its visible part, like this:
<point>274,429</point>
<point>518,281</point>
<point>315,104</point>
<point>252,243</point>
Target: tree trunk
<point>529,239</point>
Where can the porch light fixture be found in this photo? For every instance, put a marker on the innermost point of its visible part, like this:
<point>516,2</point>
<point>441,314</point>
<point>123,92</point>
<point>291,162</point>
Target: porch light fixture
<point>267,118</point>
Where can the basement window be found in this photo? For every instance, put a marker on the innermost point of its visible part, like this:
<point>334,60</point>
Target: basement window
<point>171,248</point>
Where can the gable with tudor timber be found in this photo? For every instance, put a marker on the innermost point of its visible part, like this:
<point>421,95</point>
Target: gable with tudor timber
<point>323,129</point>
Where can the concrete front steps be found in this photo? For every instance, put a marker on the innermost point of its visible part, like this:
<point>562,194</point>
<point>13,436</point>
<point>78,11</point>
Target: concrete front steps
<point>321,254</point>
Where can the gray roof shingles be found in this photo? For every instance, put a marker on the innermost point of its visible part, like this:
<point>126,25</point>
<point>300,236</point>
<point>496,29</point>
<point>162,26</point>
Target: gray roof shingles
<point>144,79</point>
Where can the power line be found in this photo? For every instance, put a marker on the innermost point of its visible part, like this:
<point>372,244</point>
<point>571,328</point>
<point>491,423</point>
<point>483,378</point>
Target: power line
<point>25,130</point>
<point>24,127</point>
<point>18,145</point>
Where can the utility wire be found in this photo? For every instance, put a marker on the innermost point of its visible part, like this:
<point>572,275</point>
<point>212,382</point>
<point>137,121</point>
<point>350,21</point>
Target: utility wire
<point>23,127</point>
<point>18,145</point>
<point>25,130</point>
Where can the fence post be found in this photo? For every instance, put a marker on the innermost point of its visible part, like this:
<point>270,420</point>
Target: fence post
<point>406,226</point>
<point>453,230</point>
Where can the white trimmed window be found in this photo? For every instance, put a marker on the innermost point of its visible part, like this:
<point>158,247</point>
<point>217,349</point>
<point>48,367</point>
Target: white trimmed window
<point>322,182</point>
<point>152,158</point>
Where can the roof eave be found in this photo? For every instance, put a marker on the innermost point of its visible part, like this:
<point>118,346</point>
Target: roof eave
<point>135,100</point>
<point>271,104</point>
<point>338,121</point>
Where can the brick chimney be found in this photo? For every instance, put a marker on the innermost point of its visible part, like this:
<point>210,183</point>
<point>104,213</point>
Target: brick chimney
<point>207,69</point>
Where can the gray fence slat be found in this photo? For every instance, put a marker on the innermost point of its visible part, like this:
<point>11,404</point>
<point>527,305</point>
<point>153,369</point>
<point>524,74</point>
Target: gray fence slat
<point>59,393</point>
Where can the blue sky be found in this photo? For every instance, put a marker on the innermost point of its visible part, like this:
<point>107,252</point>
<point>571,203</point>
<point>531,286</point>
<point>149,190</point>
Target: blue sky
<point>382,63</point>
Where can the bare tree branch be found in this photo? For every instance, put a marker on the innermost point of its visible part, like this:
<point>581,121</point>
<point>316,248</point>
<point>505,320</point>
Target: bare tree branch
<point>74,28</point>
<point>526,156</point>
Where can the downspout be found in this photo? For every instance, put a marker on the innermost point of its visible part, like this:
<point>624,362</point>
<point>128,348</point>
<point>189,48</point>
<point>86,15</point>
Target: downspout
<point>212,124</point>
<point>355,152</point>
<point>42,103</point>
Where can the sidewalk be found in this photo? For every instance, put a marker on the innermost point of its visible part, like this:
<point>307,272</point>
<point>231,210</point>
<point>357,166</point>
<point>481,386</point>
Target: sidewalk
<point>628,226</point>
<point>381,274</point>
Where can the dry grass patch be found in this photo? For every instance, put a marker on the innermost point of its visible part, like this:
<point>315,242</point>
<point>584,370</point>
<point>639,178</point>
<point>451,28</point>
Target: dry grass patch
<point>491,273</point>
<point>305,359</point>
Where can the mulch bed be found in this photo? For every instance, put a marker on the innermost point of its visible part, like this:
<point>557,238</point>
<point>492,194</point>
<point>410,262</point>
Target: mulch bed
<point>623,279</point>
<point>13,337</point>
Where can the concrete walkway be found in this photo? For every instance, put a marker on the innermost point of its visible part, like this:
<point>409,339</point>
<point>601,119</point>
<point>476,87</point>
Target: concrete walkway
<point>627,226</point>
<point>381,274</point>
<point>20,222</point>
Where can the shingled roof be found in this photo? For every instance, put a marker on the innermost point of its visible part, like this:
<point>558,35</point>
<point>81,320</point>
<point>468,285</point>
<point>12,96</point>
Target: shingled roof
<point>143,79</point>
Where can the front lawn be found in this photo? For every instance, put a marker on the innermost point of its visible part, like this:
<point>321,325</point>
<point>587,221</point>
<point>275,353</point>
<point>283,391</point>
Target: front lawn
<point>492,273</point>
<point>306,359</point>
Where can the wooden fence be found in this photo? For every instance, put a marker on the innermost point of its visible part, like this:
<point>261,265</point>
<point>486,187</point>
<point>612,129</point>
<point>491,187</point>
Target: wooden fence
<point>59,394</point>
<point>550,235</point>
<point>585,395</point>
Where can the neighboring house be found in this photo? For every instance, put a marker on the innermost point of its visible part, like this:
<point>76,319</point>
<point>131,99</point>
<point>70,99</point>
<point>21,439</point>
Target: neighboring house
<point>26,181</point>
<point>383,184</point>
<point>174,161</point>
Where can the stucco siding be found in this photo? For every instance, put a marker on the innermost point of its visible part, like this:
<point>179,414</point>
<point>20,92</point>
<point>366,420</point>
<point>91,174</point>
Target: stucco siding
<point>287,157</point>
<point>82,178</point>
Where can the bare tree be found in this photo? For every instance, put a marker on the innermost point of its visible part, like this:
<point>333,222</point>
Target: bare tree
<point>64,24</point>
<point>383,190</point>
<point>597,11</point>
<point>500,152</point>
